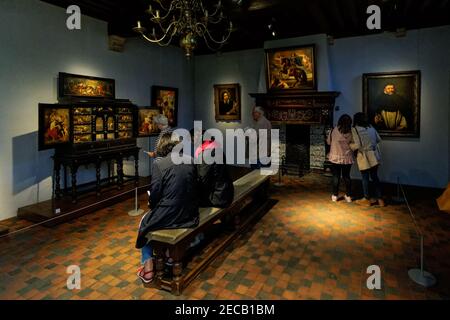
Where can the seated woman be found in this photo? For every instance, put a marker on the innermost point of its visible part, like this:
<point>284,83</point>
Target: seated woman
<point>173,204</point>
<point>215,183</point>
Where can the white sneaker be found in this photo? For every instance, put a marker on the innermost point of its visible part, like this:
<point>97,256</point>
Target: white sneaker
<point>348,199</point>
<point>334,198</point>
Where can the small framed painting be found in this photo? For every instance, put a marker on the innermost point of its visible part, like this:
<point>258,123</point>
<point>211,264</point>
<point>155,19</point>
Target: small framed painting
<point>291,69</point>
<point>166,100</point>
<point>392,103</point>
<point>78,86</point>
<point>146,127</point>
<point>54,126</point>
<point>227,100</point>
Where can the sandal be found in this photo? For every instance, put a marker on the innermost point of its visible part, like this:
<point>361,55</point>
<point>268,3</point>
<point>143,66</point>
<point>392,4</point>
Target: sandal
<point>169,262</point>
<point>142,275</point>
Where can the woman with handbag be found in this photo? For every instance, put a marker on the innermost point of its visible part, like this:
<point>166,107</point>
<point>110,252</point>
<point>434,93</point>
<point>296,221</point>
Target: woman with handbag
<point>368,157</point>
<point>341,156</point>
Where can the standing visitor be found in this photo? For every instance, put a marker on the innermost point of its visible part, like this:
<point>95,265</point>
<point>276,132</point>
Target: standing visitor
<point>162,123</point>
<point>260,122</point>
<point>365,142</point>
<point>341,156</point>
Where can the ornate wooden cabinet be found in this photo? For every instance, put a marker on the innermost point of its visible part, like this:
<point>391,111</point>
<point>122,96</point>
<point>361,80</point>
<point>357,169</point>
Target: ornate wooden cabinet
<point>84,132</point>
<point>80,126</point>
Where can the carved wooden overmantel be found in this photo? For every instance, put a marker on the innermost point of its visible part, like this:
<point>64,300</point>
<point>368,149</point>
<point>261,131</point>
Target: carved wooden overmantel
<point>299,107</point>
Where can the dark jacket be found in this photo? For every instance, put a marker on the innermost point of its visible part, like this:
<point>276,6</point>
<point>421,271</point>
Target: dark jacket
<point>215,183</point>
<point>173,198</point>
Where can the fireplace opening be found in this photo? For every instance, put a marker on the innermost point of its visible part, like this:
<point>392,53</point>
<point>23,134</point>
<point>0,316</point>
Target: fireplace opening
<point>297,157</point>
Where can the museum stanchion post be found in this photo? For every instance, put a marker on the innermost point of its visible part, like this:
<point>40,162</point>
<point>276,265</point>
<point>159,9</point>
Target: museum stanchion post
<point>136,211</point>
<point>419,275</point>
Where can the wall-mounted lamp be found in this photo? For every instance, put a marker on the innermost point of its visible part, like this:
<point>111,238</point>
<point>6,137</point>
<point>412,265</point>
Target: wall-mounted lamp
<point>271,27</point>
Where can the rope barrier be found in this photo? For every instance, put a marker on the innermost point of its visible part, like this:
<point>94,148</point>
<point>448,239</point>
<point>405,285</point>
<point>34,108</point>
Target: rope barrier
<point>69,213</point>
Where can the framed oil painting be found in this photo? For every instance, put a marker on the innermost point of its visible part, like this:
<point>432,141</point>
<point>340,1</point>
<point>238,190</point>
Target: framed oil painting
<point>392,103</point>
<point>227,101</point>
<point>291,69</point>
<point>78,86</point>
<point>166,100</point>
<point>54,126</point>
<point>146,127</point>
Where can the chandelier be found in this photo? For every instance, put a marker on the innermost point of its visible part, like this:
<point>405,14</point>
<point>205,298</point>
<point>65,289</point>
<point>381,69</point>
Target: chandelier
<point>188,20</point>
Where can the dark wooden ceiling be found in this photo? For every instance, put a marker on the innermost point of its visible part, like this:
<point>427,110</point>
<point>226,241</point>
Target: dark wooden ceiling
<point>289,18</point>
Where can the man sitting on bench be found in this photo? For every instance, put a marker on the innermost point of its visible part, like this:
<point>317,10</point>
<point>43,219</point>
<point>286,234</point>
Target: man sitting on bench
<point>215,183</point>
<point>173,204</point>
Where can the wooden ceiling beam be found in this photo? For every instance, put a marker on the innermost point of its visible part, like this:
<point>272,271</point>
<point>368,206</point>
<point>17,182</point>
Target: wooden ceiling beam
<point>352,13</point>
<point>444,4</point>
<point>334,13</point>
<point>407,7</point>
<point>295,18</point>
<point>319,17</point>
<point>89,8</point>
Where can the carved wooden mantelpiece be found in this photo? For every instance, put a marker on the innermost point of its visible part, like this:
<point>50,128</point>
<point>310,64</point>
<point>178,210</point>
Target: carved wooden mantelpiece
<point>299,107</point>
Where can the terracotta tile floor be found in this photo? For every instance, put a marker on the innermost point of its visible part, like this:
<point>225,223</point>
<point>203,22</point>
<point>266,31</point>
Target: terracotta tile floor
<point>306,247</point>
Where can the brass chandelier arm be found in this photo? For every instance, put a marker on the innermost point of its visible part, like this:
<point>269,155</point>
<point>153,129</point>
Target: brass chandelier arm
<point>225,39</point>
<point>188,19</point>
<point>210,47</point>
<point>218,8</point>
<point>160,43</point>
<point>212,21</point>
<point>202,31</point>
<point>161,40</point>
<point>162,6</point>
<point>174,4</point>
<point>178,23</point>
<point>156,19</point>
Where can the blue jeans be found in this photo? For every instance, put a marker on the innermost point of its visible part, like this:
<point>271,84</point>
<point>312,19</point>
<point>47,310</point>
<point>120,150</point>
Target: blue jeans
<point>147,253</point>
<point>371,173</point>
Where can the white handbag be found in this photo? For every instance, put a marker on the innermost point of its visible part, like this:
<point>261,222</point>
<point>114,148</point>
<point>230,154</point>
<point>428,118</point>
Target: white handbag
<point>366,159</point>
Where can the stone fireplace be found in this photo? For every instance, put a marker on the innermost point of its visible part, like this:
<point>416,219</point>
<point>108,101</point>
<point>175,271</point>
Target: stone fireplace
<point>302,147</point>
<point>302,119</point>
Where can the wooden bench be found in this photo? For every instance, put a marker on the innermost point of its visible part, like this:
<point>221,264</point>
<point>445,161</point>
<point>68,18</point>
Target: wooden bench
<point>250,196</point>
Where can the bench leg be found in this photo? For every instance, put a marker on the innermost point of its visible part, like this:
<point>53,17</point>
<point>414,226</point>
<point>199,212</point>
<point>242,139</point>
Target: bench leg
<point>237,221</point>
<point>177,270</point>
<point>159,266</point>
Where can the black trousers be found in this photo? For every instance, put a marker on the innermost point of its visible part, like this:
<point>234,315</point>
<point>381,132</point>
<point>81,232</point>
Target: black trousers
<point>343,170</point>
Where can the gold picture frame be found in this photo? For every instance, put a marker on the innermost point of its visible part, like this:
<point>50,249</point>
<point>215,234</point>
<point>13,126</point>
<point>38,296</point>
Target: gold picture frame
<point>227,101</point>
